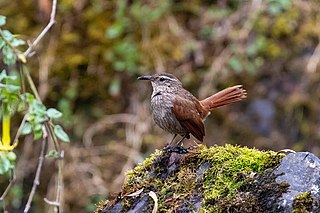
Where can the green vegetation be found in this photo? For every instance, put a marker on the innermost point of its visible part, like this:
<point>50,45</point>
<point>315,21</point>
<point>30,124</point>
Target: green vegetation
<point>36,118</point>
<point>13,100</point>
<point>303,203</point>
<point>213,176</point>
<point>228,163</point>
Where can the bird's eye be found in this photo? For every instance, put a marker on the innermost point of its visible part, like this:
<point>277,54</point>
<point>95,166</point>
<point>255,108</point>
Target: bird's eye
<point>162,79</point>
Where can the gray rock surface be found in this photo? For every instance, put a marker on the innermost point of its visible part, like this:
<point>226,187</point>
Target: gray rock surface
<point>301,171</point>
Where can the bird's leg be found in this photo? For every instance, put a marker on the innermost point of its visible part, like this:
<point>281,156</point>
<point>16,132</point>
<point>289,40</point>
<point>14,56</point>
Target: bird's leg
<point>185,136</point>
<point>175,135</point>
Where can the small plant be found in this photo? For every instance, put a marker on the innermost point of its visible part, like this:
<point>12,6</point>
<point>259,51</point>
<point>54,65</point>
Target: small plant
<point>37,119</point>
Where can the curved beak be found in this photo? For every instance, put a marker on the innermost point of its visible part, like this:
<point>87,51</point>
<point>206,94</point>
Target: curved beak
<point>145,78</point>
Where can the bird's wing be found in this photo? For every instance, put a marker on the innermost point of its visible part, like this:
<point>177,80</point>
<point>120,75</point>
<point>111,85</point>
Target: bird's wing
<point>187,114</point>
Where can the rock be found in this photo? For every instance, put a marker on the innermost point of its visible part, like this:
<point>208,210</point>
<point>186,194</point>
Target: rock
<point>301,171</point>
<point>221,179</point>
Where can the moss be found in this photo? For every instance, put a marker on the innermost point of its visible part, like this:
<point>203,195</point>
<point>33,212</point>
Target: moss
<point>303,203</point>
<point>100,205</point>
<point>139,174</point>
<point>227,164</point>
<point>203,180</point>
<point>258,193</point>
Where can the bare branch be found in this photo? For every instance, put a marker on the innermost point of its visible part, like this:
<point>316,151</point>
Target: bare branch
<point>314,60</point>
<point>12,180</point>
<point>28,52</point>
<point>52,203</point>
<point>36,180</point>
<point>60,185</point>
<point>20,129</point>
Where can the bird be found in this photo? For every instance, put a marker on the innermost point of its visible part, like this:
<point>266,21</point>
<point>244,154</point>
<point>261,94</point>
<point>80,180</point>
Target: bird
<point>177,111</point>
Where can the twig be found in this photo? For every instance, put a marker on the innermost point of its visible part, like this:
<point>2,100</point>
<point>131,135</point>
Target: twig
<point>47,124</point>
<point>314,60</point>
<point>52,203</point>
<point>52,21</point>
<point>36,180</point>
<point>60,185</point>
<point>48,129</point>
<point>22,77</point>
<point>155,199</point>
<point>32,85</point>
<point>57,202</point>
<point>12,180</point>
<point>15,141</point>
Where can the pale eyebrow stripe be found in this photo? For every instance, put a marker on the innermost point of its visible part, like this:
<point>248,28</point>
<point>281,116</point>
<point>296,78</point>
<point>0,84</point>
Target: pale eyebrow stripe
<point>168,78</point>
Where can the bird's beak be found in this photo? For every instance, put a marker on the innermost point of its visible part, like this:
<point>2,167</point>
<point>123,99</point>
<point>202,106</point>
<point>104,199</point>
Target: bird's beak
<point>145,78</point>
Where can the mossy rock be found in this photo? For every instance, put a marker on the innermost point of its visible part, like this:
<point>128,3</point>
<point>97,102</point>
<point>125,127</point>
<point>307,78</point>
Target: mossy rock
<point>216,179</point>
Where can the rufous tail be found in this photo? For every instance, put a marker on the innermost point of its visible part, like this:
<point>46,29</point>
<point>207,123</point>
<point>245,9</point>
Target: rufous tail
<point>224,97</point>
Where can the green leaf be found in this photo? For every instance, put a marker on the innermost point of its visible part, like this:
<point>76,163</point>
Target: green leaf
<point>37,134</point>
<point>39,107</point>
<point>9,57</point>
<point>52,154</point>
<point>38,126</point>
<point>61,134</point>
<point>2,20</point>
<point>12,88</point>
<point>53,113</point>
<point>21,106</point>
<point>7,35</point>
<point>12,77</point>
<point>26,129</point>
<point>28,97</point>
<point>17,42</point>
<point>40,119</point>
<point>2,43</point>
<point>3,74</point>
<point>5,164</point>
<point>11,156</point>
<point>30,117</point>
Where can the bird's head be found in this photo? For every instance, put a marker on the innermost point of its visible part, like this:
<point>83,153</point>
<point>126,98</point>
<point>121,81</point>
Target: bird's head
<point>163,81</point>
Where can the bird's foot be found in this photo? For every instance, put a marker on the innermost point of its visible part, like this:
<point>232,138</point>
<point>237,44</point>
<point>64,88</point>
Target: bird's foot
<point>176,149</point>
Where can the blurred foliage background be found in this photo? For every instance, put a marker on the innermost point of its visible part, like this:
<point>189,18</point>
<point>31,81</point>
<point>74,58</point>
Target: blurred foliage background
<point>87,66</point>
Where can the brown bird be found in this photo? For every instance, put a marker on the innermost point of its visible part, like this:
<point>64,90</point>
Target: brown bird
<point>177,111</point>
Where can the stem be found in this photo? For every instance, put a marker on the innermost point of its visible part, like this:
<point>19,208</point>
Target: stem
<point>52,21</point>
<point>36,180</point>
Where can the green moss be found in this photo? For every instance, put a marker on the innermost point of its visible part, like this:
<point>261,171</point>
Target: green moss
<point>303,203</point>
<point>100,205</point>
<point>137,176</point>
<point>227,164</point>
<point>209,177</point>
<point>258,193</point>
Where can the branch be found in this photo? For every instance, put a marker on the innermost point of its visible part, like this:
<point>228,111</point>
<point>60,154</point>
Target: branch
<point>52,21</point>
<point>36,180</point>
<point>314,60</point>
<point>12,180</point>
<point>57,203</point>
